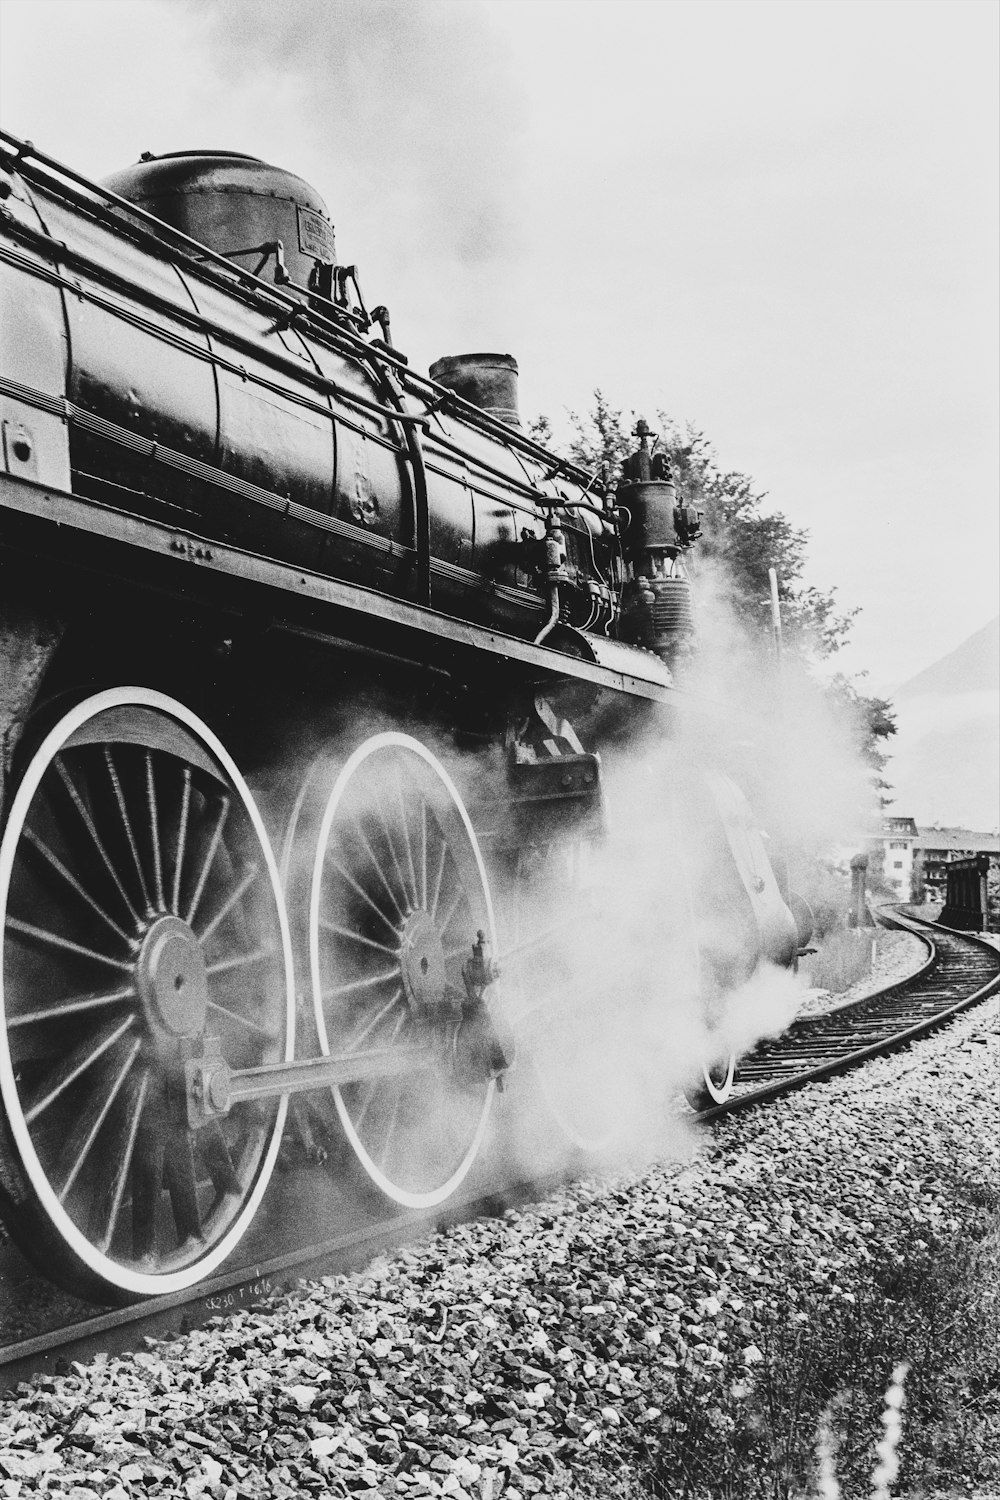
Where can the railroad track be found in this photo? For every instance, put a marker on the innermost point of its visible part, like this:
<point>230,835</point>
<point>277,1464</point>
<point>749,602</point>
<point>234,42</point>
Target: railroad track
<point>959,971</point>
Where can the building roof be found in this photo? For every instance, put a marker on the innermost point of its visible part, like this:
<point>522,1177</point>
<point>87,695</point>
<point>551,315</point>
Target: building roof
<point>951,839</point>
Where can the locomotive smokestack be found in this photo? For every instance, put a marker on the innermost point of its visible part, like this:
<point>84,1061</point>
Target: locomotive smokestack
<point>489,381</point>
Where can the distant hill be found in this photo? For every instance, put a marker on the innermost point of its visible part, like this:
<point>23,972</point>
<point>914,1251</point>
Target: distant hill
<point>946,752</point>
<point>973,667</point>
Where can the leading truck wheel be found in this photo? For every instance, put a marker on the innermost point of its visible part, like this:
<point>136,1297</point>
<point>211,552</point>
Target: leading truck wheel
<point>715,1084</point>
<point>397,900</point>
<point>142,916</point>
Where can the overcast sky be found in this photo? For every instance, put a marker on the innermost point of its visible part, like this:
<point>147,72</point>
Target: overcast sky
<point>774,218</point>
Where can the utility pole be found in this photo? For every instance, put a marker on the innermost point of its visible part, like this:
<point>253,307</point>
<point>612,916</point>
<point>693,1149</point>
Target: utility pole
<point>775,617</point>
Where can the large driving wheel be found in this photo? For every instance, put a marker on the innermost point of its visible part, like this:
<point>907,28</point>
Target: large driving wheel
<point>398,899</point>
<point>142,916</point>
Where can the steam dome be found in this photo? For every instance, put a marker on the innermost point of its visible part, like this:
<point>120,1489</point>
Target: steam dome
<point>236,205</point>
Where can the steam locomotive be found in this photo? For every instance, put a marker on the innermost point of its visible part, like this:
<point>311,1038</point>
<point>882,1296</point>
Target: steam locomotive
<point>312,671</point>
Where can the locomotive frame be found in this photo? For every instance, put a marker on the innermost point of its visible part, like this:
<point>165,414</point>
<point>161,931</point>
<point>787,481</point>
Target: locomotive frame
<point>197,605</point>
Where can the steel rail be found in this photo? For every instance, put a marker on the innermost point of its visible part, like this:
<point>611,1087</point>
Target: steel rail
<point>119,1330</point>
<point>847,1048</point>
<point>250,1284</point>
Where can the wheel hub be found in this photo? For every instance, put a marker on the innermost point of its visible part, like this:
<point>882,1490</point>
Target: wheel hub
<point>422,961</point>
<point>172,979</point>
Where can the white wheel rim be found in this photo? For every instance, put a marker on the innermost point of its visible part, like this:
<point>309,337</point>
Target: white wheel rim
<point>720,1086</point>
<point>125,1278</point>
<point>372,747</point>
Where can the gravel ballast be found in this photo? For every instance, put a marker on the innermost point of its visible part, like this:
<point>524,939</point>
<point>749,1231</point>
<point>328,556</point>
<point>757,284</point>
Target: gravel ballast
<point>537,1353</point>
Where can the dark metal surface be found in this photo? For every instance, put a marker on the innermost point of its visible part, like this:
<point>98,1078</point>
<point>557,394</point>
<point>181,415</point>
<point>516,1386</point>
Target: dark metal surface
<point>965,903</point>
<point>968,974</point>
<point>194,383</point>
<point>308,598</point>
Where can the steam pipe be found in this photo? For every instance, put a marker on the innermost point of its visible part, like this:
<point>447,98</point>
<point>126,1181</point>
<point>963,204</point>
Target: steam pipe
<point>553,619</point>
<point>420,384</point>
<point>421,502</point>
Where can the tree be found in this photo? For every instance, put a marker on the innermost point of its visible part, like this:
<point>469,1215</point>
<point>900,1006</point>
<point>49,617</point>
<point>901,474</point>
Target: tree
<point>742,540</point>
<point>872,723</point>
<point>739,534</point>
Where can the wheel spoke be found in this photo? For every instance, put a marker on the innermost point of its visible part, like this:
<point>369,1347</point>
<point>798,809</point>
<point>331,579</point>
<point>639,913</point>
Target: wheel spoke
<point>206,864</point>
<point>129,831</point>
<point>433,908</point>
<point>355,937</point>
<point>179,1174</point>
<point>370,982</point>
<point>238,961</point>
<point>405,826</point>
<point>349,879</point>
<point>227,906</point>
<point>88,1125</point>
<point>72,1007</point>
<point>54,940</point>
<point>154,830</point>
<point>218,1161</point>
<point>376,866</point>
<point>265,1033</point>
<point>95,838</point>
<point>74,884</point>
<point>423,853</point>
<point>182,831</point>
<point>116,1187</point>
<point>74,1064</point>
<point>393,854</point>
<point>148,1167</point>
<point>453,908</point>
<point>375,1021</point>
<point>383,1156</point>
<point>371,1090</point>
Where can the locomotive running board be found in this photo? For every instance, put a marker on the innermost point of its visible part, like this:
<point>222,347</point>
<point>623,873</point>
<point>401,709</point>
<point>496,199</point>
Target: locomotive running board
<point>87,530</point>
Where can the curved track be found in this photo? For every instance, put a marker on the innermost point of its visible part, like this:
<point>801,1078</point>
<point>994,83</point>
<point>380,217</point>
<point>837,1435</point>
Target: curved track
<point>960,971</point>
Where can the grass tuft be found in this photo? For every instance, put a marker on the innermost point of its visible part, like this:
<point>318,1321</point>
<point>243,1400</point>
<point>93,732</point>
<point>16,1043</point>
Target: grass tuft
<point>805,1424</point>
<point>843,957</point>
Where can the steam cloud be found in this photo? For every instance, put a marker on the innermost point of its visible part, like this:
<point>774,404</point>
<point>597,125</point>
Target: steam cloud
<point>407,116</point>
<point>614,1011</point>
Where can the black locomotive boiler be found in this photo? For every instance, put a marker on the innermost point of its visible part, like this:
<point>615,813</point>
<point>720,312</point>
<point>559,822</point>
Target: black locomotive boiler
<point>312,669</point>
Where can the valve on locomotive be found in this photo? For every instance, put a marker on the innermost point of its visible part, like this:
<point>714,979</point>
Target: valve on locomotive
<point>656,609</point>
<point>484,1044</point>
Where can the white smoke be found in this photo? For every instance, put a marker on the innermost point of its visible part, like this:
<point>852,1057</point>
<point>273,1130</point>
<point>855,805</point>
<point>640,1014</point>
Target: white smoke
<point>405,115</point>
